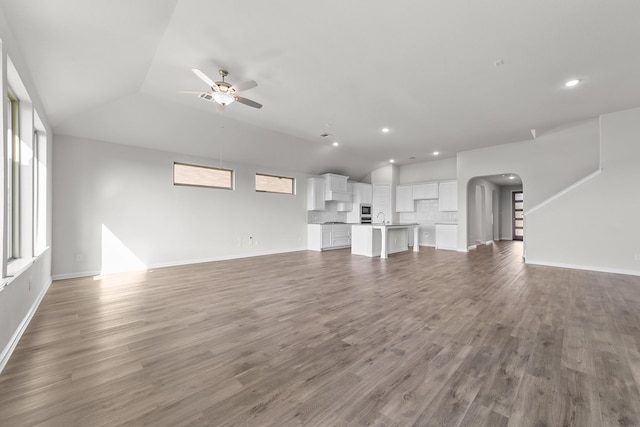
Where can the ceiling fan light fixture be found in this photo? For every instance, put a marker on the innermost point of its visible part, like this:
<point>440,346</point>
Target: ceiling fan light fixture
<point>223,98</point>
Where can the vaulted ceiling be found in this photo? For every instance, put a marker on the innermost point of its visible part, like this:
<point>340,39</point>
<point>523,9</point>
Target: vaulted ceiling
<point>442,76</point>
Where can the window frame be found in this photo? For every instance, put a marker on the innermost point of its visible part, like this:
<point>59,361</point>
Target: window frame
<point>293,184</point>
<point>13,177</point>
<point>231,172</point>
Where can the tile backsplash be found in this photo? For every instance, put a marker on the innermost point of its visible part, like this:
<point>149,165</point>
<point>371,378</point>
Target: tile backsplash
<point>427,215</point>
<point>331,214</point>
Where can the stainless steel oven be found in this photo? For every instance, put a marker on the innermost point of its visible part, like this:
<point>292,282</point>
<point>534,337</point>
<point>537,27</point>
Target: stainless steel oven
<point>365,214</point>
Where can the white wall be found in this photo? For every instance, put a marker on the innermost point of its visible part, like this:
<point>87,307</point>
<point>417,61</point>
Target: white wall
<point>594,226</point>
<point>21,293</point>
<point>479,210</point>
<point>546,165</point>
<point>120,196</point>
<point>436,170</point>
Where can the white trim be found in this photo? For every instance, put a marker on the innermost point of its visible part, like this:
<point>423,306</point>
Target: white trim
<point>584,267</point>
<point>13,342</point>
<point>462,250</point>
<point>176,263</point>
<point>563,192</point>
<point>76,275</point>
<point>472,247</point>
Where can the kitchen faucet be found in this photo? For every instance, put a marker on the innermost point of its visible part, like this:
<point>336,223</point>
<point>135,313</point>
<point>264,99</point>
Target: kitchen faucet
<point>378,216</point>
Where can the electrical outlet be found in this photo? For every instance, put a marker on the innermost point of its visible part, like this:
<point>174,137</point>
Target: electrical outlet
<point>79,257</point>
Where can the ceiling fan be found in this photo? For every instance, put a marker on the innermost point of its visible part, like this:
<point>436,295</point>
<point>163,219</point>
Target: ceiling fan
<point>223,93</point>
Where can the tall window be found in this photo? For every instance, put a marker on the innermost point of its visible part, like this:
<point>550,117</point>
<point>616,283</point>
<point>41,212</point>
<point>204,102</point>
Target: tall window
<point>13,177</point>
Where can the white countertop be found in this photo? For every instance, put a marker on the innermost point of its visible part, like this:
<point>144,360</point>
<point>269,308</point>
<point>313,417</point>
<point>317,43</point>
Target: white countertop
<point>397,225</point>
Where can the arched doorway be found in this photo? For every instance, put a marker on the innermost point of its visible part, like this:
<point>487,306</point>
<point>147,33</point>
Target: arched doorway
<point>491,213</point>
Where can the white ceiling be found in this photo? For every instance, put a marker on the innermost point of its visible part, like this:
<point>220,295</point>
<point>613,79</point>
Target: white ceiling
<point>110,69</point>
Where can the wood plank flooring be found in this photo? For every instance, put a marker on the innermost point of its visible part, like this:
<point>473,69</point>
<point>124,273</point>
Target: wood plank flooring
<point>436,338</point>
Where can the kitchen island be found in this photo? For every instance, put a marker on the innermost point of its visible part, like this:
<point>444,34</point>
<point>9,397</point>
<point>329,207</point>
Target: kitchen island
<point>382,239</point>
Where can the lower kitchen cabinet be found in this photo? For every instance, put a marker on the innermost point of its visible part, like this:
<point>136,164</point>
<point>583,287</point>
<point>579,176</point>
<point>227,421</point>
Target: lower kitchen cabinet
<point>447,236</point>
<point>322,237</point>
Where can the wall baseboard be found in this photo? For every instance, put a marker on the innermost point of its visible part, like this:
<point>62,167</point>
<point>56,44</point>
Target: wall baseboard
<point>177,263</point>
<point>8,350</point>
<point>584,267</point>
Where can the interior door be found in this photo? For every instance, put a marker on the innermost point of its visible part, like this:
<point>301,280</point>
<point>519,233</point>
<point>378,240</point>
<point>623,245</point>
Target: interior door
<point>517,199</point>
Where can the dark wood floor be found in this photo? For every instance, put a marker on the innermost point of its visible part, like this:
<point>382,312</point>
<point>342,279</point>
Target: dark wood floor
<point>436,338</point>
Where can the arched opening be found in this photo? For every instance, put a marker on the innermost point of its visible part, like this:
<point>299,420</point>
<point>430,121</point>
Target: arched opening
<point>495,209</point>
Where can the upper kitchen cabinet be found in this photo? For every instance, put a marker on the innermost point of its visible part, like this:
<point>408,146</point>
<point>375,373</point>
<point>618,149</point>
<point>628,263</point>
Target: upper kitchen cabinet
<point>428,190</point>
<point>315,194</point>
<point>448,196</point>
<point>365,191</point>
<point>336,187</point>
<point>361,194</point>
<point>347,206</point>
<point>404,198</point>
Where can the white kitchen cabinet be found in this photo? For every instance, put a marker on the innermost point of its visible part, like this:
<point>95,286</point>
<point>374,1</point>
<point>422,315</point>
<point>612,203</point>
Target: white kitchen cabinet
<point>336,187</point>
<point>425,191</point>
<point>366,193</point>
<point>335,182</point>
<point>447,236</point>
<point>315,194</point>
<point>448,196</point>
<point>361,194</point>
<point>347,206</point>
<point>381,203</point>
<point>326,236</point>
<point>322,237</point>
<point>404,198</point>
<point>340,235</point>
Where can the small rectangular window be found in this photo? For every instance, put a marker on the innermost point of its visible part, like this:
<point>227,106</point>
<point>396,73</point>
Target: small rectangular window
<point>202,176</point>
<point>274,184</point>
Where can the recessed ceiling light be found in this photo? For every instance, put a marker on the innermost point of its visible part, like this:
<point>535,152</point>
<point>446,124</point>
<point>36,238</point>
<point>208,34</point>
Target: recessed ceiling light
<point>336,143</point>
<point>436,153</point>
<point>385,130</point>
<point>572,83</point>
<point>391,160</point>
<point>512,177</point>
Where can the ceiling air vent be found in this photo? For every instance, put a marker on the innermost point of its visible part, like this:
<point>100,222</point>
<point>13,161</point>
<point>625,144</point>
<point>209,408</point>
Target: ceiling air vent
<point>207,96</point>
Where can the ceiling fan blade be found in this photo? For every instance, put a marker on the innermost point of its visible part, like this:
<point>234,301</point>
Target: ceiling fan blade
<point>219,107</point>
<point>248,102</point>
<point>206,79</point>
<point>250,84</point>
